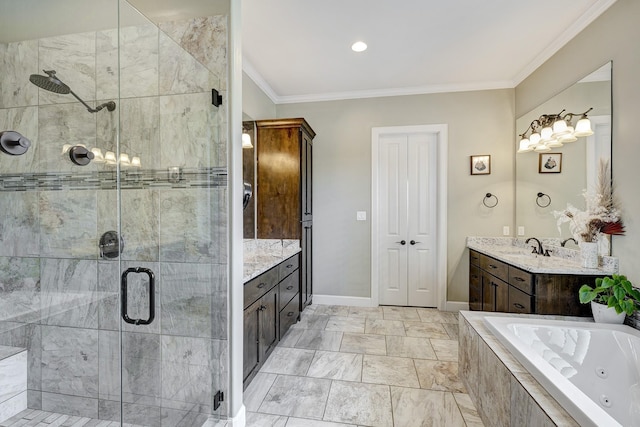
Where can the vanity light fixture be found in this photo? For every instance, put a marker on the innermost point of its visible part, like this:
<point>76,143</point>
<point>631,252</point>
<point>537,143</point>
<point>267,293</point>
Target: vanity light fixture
<point>359,46</point>
<point>246,140</point>
<point>110,158</point>
<point>553,130</point>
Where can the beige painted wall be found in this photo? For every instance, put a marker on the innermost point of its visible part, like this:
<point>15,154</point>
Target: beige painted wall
<point>613,36</point>
<point>479,123</point>
<point>256,104</point>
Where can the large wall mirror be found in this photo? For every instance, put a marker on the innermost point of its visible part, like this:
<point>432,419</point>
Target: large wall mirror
<point>562,174</point>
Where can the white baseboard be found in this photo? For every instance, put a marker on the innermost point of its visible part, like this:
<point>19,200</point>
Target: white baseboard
<point>239,420</point>
<point>340,300</point>
<point>456,306</point>
<point>366,302</point>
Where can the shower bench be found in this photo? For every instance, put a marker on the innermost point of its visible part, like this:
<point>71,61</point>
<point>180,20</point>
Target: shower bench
<point>13,381</point>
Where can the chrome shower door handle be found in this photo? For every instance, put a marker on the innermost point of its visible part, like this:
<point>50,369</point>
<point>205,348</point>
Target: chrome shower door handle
<point>152,296</point>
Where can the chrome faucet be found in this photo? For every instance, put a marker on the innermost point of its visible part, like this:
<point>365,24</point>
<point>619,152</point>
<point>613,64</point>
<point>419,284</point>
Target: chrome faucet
<point>564,242</point>
<point>539,250</point>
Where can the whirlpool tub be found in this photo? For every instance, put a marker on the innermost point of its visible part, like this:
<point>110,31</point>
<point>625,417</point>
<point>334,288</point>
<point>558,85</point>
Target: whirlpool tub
<point>592,370</point>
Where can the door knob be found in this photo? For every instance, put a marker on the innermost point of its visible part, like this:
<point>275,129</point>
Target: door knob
<point>402,242</point>
<point>413,242</point>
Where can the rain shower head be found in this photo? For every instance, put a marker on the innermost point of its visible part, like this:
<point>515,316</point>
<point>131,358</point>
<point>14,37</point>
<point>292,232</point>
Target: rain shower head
<point>53,84</point>
<point>49,82</point>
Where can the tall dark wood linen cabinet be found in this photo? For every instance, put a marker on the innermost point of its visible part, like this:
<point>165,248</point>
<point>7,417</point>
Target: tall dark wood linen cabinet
<point>284,189</point>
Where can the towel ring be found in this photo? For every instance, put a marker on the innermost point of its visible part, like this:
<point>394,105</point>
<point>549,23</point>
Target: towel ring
<point>542,196</point>
<point>489,196</point>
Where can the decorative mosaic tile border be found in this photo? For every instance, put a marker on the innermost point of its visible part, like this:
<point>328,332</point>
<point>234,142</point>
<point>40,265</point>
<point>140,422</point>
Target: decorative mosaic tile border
<point>108,180</point>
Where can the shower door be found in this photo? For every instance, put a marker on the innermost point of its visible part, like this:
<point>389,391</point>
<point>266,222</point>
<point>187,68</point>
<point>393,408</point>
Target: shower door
<point>172,218</point>
<point>113,232</point>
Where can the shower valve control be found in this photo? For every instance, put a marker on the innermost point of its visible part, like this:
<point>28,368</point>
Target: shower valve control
<point>111,245</point>
<point>80,156</point>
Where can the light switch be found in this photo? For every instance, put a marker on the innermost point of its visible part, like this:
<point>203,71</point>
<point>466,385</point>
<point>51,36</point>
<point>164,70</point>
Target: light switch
<point>520,230</point>
<point>505,230</point>
<point>361,215</point>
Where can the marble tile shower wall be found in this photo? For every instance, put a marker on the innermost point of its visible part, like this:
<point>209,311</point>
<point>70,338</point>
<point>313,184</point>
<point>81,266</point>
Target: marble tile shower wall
<point>58,298</point>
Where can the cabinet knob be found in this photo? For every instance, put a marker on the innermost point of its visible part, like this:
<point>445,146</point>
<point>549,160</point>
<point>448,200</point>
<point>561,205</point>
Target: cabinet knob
<point>402,242</point>
<point>413,242</point>
<point>289,287</point>
<point>289,265</point>
<point>262,285</point>
<point>518,305</point>
<point>519,279</point>
<point>289,314</point>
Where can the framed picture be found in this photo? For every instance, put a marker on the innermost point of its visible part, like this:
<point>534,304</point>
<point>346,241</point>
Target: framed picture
<point>480,165</point>
<point>550,163</point>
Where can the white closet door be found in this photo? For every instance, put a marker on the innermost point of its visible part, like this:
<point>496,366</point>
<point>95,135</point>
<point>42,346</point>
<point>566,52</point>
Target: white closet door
<point>407,219</point>
<point>421,227</point>
<point>392,170</point>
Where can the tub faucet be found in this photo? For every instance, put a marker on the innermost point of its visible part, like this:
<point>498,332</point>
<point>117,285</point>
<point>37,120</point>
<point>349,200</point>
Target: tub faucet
<point>539,250</point>
<point>564,242</point>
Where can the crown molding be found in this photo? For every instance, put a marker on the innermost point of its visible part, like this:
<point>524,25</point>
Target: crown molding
<point>378,93</point>
<point>254,75</point>
<point>580,24</point>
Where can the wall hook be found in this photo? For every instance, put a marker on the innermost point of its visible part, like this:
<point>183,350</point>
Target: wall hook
<point>487,197</point>
<point>541,196</point>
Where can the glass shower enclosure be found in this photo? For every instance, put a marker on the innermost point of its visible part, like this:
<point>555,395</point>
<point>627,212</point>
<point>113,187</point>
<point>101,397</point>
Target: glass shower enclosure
<point>113,213</point>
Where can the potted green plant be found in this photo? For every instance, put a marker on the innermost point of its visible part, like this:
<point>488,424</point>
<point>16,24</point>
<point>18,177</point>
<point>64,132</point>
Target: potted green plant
<point>611,299</point>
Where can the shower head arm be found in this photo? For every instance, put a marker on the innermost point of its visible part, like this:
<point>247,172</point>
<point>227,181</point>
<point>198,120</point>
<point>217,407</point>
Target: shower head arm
<point>91,110</point>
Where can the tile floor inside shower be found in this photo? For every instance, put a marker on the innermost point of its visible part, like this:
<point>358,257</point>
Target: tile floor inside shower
<point>355,366</point>
<point>37,418</point>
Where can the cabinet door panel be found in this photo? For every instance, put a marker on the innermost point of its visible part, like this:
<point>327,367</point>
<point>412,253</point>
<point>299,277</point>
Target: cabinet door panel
<point>269,322</point>
<point>488,293</point>
<point>502,295</point>
<point>306,178</point>
<point>251,351</point>
<point>306,267</point>
<point>475,288</point>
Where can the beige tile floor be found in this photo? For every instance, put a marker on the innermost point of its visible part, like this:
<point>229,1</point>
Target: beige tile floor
<point>355,366</point>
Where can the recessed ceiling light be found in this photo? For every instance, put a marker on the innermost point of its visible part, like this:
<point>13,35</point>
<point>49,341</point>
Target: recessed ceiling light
<point>359,47</point>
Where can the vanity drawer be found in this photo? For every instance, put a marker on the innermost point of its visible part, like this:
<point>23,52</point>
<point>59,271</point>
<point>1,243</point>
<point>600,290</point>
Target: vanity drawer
<point>288,266</point>
<point>494,267</point>
<point>521,280</point>
<point>288,289</point>
<point>519,302</point>
<point>474,258</point>
<point>258,286</point>
<point>289,315</point>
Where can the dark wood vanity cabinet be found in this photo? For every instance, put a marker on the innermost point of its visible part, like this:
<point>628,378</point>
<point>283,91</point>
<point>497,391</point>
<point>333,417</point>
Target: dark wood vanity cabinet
<point>284,188</point>
<point>271,306</point>
<point>497,286</point>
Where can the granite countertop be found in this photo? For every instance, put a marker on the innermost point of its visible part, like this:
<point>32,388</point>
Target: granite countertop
<point>514,252</point>
<point>263,254</point>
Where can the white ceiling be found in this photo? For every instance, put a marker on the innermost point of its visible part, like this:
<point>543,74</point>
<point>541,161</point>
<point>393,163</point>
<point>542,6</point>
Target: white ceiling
<point>300,50</point>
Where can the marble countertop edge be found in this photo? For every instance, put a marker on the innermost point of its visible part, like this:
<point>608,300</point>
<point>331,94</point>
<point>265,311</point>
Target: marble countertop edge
<point>513,252</point>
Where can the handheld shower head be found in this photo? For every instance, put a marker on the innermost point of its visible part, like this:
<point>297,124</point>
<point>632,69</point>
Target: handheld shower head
<point>53,84</point>
<point>49,82</point>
